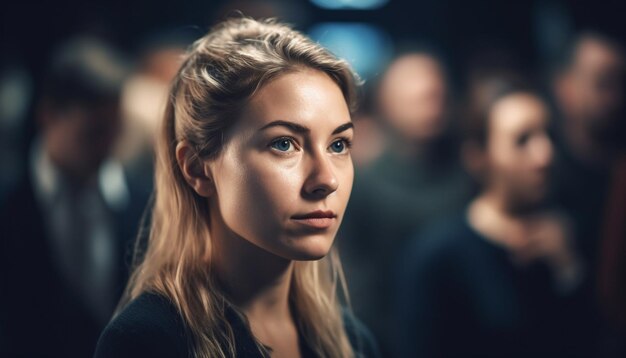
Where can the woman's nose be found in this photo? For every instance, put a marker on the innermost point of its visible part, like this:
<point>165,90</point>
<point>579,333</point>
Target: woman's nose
<point>321,180</point>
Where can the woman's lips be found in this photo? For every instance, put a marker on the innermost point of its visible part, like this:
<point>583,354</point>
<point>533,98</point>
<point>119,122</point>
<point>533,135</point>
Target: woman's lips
<point>317,219</point>
<point>318,223</point>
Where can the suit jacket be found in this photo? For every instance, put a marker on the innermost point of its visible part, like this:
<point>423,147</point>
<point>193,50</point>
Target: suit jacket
<point>40,316</point>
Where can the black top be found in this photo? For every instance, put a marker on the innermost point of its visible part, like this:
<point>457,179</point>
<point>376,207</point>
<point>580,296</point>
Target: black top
<point>150,326</point>
<point>461,296</point>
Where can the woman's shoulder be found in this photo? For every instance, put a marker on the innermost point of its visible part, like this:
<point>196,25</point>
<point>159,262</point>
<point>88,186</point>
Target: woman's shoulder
<point>361,339</point>
<point>149,326</point>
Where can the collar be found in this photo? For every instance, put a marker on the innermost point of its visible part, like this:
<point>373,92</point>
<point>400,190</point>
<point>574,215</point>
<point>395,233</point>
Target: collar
<point>49,183</point>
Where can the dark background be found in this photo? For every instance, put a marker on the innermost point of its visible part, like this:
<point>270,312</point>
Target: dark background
<point>30,29</point>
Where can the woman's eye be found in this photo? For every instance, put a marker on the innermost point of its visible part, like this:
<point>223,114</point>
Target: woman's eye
<point>523,139</point>
<point>338,146</point>
<point>283,145</point>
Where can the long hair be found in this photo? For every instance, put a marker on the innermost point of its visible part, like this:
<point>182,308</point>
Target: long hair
<point>221,71</point>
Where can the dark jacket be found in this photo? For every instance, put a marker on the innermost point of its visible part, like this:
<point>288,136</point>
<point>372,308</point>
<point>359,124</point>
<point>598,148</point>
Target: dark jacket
<point>40,316</point>
<point>459,295</point>
<point>150,326</point>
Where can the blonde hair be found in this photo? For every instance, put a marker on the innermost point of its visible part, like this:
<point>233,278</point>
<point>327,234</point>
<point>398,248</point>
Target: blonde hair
<point>221,71</point>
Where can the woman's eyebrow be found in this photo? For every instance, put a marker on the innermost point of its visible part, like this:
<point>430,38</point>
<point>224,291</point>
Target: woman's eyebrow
<point>343,127</point>
<point>298,128</point>
<point>294,127</point>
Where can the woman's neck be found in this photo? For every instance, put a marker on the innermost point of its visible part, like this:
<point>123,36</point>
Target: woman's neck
<point>255,280</point>
<point>490,215</point>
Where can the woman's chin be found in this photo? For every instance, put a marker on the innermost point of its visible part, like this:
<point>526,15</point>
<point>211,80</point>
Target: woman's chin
<point>310,248</point>
<point>310,256</point>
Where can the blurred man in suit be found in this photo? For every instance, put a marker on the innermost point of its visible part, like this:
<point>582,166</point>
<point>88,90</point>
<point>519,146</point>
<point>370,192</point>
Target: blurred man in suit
<point>67,227</point>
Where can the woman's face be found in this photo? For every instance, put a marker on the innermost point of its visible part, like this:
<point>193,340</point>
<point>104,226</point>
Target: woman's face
<point>519,150</point>
<point>284,176</point>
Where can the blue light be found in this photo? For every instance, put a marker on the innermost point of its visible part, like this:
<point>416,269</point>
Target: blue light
<point>365,47</point>
<point>350,4</point>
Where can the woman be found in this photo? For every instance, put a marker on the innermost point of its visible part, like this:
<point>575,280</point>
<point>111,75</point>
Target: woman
<point>253,176</point>
<point>500,279</point>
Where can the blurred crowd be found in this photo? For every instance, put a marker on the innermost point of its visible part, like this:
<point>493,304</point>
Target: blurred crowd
<point>487,217</point>
<point>493,226</point>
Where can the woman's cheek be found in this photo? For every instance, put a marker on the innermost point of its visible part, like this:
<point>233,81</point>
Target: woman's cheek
<point>274,187</point>
<point>287,189</point>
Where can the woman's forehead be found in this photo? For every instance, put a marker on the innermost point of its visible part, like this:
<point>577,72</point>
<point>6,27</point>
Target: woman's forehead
<point>308,97</point>
<point>518,112</point>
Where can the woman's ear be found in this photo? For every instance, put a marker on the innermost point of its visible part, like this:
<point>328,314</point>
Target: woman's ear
<point>194,170</point>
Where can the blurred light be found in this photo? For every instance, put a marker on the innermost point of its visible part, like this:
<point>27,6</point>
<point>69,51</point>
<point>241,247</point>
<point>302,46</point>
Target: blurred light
<point>365,47</point>
<point>15,95</point>
<point>350,4</point>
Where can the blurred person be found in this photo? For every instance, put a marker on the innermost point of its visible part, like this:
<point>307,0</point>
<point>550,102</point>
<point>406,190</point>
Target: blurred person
<point>488,71</point>
<point>16,89</point>
<point>499,279</point>
<point>66,226</point>
<point>612,265</point>
<point>415,180</point>
<point>253,175</point>
<point>143,100</point>
<point>588,89</point>
<point>144,94</point>
<point>588,93</point>
<point>412,99</point>
<point>371,137</point>
<point>371,141</point>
